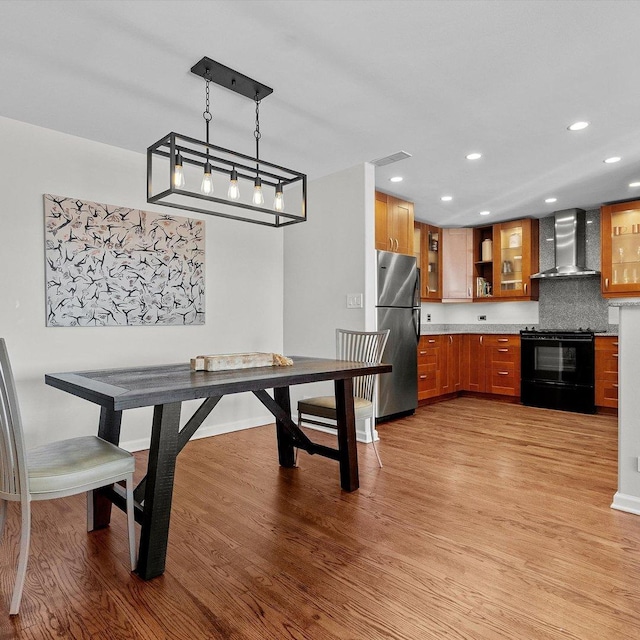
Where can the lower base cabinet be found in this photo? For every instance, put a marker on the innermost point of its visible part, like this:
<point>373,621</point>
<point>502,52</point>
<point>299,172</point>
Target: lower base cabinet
<point>607,371</point>
<point>484,363</point>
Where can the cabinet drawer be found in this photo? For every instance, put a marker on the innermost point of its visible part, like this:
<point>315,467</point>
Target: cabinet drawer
<point>607,343</point>
<point>501,340</point>
<point>607,394</point>
<point>506,353</point>
<point>428,347</point>
<point>505,379</point>
<point>427,381</point>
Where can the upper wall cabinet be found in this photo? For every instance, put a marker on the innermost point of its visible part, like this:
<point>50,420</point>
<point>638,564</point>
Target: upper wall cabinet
<point>505,256</point>
<point>620,246</point>
<point>394,224</point>
<point>427,245</point>
<point>457,265</point>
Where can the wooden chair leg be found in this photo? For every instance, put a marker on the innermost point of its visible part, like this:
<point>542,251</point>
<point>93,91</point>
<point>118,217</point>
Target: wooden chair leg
<point>21,573</point>
<point>373,441</point>
<point>89,511</point>
<point>131,523</point>
<point>3,516</point>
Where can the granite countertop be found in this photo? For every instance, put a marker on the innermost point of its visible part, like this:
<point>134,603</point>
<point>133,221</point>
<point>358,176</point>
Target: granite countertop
<point>436,329</point>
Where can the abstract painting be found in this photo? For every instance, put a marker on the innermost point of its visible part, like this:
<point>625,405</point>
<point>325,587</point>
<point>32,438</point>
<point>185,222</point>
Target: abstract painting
<point>109,265</point>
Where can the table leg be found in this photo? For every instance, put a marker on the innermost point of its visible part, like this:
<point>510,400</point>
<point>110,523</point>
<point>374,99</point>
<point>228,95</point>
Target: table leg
<point>286,454</point>
<point>109,430</point>
<point>346,419</point>
<point>159,490</point>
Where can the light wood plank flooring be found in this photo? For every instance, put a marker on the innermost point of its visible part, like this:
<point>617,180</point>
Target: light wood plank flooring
<point>488,520</point>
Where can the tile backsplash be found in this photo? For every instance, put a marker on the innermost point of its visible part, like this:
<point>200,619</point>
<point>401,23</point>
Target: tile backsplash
<point>572,303</point>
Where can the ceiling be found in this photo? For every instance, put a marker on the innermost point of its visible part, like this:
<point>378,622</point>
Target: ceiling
<point>355,81</point>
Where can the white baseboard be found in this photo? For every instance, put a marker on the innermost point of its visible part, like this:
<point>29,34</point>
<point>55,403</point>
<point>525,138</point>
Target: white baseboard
<point>627,503</point>
<point>202,432</point>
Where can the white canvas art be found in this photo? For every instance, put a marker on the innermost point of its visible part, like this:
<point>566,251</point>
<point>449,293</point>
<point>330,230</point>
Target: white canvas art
<point>109,265</point>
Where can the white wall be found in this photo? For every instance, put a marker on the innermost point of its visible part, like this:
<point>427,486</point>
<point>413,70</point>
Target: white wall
<point>244,292</point>
<point>325,259</point>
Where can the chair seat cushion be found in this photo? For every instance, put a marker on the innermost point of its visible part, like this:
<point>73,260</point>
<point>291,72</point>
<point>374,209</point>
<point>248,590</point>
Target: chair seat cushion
<point>325,407</point>
<point>68,465</point>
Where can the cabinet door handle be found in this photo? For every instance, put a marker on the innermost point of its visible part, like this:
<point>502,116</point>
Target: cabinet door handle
<point>615,385</point>
<point>431,341</point>
<point>451,339</point>
<point>468,292</point>
<point>525,288</point>
<point>397,244</point>
<point>423,377</point>
<point>503,373</point>
<point>423,353</point>
<point>503,350</point>
<point>390,244</point>
<point>606,283</point>
<point>614,355</point>
<point>503,339</point>
<point>481,337</point>
<point>615,344</point>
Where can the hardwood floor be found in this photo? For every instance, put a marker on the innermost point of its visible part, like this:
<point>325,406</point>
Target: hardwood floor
<point>488,520</point>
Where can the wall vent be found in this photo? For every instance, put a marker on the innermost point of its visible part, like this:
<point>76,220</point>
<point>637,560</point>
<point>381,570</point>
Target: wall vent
<point>394,157</point>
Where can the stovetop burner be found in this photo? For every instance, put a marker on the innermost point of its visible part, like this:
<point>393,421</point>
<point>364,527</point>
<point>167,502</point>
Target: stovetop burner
<point>562,331</point>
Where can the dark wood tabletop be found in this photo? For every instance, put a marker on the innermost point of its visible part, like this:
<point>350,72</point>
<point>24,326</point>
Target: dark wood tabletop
<point>128,388</point>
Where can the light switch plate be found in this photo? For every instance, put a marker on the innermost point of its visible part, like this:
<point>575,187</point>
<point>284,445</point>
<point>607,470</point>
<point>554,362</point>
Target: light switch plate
<point>354,300</point>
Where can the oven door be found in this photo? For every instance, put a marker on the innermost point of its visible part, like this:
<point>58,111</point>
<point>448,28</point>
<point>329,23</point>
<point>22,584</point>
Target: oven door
<point>566,360</point>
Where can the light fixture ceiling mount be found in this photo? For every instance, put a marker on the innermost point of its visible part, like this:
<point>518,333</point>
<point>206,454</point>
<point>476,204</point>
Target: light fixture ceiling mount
<point>180,163</point>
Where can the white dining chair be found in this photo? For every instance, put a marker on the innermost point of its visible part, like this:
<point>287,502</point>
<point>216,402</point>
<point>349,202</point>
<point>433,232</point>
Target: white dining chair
<point>355,346</point>
<point>55,470</point>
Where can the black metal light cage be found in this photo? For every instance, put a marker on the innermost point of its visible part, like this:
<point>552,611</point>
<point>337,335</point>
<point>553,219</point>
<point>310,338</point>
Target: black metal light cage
<point>223,161</point>
<point>253,171</point>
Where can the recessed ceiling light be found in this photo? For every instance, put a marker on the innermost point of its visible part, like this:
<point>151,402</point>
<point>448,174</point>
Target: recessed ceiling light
<point>634,184</point>
<point>446,198</point>
<point>474,156</point>
<point>550,200</point>
<point>485,213</point>
<point>396,179</point>
<point>578,126</point>
<point>613,159</point>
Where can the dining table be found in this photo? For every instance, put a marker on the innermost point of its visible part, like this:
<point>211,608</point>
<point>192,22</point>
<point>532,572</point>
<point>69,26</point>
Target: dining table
<point>166,387</point>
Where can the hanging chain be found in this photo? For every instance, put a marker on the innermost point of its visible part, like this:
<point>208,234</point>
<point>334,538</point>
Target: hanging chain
<point>257,133</point>
<point>206,114</point>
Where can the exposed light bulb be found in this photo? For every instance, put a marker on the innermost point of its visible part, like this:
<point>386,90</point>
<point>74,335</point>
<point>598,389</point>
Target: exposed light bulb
<point>258,198</point>
<point>234,190</point>
<point>207,183</point>
<point>278,202</point>
<point>178,174</point>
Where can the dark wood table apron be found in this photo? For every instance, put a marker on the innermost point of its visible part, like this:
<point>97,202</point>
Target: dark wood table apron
<point>165,388</point>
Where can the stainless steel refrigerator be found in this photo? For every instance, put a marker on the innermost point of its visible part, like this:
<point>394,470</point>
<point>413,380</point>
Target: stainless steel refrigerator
<point>398,309</point>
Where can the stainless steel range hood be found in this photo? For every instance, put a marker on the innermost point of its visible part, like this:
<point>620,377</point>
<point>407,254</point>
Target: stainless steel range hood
<point>570,244</point>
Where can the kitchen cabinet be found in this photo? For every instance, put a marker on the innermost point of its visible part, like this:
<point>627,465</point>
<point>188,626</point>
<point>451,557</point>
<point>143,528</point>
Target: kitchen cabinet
<point>502,361</point>
<point>515,259</point>
<point>393,224</point>
<point>505,256</point>
<point>620,249</point>
<point>450,360</point>
<point>606,377</point>
<point>429,356</point>
<point>473,363</point>
<point>428,251</point>
<point>439,370</point>
<point>457,265</point>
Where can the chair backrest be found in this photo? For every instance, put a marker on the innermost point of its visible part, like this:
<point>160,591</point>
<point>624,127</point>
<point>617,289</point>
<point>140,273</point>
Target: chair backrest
<point>13,464</point>
<point>362,346</point>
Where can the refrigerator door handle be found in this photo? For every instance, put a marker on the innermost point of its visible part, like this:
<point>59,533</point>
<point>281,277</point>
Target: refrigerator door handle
<point>416,290</point>
<point>417,313</point>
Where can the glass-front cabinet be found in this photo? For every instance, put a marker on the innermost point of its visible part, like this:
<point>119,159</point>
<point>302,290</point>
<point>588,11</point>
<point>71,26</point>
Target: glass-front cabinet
<point>515,259</point>
<point>620,246</point>
<point>505,256</point>
<point>428,252</point>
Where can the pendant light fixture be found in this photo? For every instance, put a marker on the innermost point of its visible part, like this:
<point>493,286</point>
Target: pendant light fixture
<point>201,173</point>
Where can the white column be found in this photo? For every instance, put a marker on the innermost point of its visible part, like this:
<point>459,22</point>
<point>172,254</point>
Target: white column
<point>627,498</point>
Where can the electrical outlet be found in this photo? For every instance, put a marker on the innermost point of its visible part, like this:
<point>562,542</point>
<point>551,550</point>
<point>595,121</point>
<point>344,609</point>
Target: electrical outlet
<point>354,300</point>
<point>428,317</point>
<point>482,318</point>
